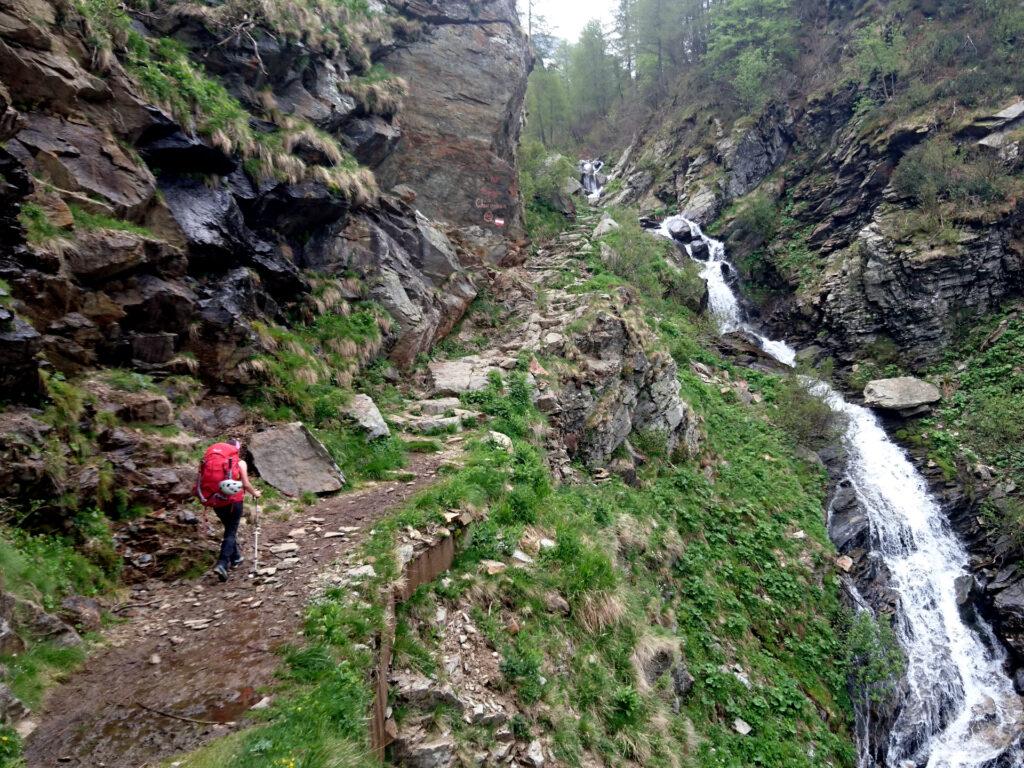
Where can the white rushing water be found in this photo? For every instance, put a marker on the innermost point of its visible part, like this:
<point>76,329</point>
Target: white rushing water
<point>959,708</point>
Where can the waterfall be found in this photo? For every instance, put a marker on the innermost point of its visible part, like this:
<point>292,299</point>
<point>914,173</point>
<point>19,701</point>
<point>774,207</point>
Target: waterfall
<point>590,178</point>
<point>958,708</point>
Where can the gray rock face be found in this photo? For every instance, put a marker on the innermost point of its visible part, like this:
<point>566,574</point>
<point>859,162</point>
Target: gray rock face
<point>880,289</point>
<point>295,462</point>
<point>758,152</point>
<point>365,413</point>
<point>901,394</point>
<point>460,133</point>
<point>624,385</point>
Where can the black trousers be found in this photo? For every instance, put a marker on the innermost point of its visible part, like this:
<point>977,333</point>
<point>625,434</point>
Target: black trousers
<point>230,517</point>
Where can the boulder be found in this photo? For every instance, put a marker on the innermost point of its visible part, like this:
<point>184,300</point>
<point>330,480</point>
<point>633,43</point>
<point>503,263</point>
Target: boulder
<point>82,612</point>
<point>292,460</point>
<point>102,254</point>
<point>11,709</point>
<point>901,394</point>
<point>213,416</point>
<point>371,139</point>
<point>606,226</point>
<point>138,407</point>
<point>364,412</point>
<point>681,231</point>
<point>456,377</point>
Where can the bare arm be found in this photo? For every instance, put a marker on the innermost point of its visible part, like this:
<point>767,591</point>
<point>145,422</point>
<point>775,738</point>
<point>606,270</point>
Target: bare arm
<point>244,470</point>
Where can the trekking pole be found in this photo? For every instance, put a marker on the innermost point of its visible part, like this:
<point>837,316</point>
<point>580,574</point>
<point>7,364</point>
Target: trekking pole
<point>256,540</point>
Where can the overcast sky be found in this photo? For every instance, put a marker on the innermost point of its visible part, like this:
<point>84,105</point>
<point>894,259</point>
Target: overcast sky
<point>567,17</point>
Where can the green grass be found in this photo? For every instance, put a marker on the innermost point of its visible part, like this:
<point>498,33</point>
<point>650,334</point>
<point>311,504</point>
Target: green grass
<point>92,221</point>
<point>29,674</point>
<point>38,227</point>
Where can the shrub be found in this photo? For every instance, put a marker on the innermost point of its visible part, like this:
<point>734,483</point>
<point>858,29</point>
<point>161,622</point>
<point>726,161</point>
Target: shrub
<point>938,171</point>
<point>804,416</point>
<point>759,216</point>
<point>873,657</point>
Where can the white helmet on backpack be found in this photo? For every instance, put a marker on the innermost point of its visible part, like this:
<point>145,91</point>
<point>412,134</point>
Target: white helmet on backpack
<point>230,487</point>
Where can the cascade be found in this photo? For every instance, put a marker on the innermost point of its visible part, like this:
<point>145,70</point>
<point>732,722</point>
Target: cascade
<point>958,707</point>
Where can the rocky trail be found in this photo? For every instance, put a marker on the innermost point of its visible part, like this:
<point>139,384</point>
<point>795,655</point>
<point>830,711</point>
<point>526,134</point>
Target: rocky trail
<point>194,657</point>
<point>191,658</point>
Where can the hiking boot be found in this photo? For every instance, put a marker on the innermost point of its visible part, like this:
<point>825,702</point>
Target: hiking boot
<point>221,571</point>
<point>237,562</point>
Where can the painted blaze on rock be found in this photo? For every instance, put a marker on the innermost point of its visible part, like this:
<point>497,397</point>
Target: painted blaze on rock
<point>467,83</point>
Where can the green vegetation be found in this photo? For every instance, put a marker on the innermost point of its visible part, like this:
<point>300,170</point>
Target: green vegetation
<point>166,73</point>
<point>938,171</point>
<point>542,177</point>
<point>652,266</point>
<point>981,418</point>
<point>92,221</point>
<point>38,227</point>
<point>873,657</point>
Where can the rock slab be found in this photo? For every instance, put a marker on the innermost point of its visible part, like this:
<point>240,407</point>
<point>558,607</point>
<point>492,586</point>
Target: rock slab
<point>364,412</point>
<point>901,394</point>
<point>292,460</point>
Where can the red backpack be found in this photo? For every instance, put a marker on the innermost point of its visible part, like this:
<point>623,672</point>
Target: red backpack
<point>220,463</point>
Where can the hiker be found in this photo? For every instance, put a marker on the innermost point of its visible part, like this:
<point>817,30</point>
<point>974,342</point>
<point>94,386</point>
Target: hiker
<point>222,484</point>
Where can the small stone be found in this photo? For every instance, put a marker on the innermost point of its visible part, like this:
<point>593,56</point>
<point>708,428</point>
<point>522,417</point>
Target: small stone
<point>155,659</point>
<point>298,533</point>
<point>522,557</point>
<point>283,549</point>
<point>546,544</point>
<point>493,567</point>
<point>535,754</point>
<point>502,441</point>
<point>266,571</point>
<point>288,563</point>
<point>362,572</point>
<point>844,563</point>
<point>263,703</point>
<point>742,727</point>
<point>333,535</point>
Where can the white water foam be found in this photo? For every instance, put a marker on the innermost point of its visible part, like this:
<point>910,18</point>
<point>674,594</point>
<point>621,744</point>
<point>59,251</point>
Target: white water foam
<point>960,709</point>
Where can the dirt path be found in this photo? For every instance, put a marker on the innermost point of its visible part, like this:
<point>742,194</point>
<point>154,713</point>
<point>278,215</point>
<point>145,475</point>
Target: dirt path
<point>204,650</point>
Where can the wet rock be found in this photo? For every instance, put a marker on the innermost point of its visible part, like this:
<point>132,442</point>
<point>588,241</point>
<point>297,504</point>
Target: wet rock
<point>901,394</point>
<point>19,345</point>
<point>292,460</point>
<point>365,413</point>
<point>681,231</point>
<point>81,157</point>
